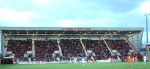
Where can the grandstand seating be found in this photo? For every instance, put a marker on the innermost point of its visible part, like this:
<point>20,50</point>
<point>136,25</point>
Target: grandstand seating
<point>98,47</point>
<point>44,49</point>
<point>19,48</point>
<point>71,48</point>
<point>120,45</point>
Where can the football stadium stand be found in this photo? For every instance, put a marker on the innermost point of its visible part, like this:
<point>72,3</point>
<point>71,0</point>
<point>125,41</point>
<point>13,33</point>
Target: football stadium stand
<point>47,44</point>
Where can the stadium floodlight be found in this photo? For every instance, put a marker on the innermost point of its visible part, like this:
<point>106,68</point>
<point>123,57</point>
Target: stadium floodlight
<point>146,10</point>
<point>146,15</point>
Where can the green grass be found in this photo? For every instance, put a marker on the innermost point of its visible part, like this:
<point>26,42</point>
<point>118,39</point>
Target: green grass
<point>77,66</point>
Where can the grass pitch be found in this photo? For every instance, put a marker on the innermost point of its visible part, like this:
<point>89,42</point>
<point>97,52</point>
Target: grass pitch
<point>117,65</point>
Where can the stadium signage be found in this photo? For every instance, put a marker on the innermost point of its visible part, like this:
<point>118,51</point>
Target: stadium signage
<point>76,29</point>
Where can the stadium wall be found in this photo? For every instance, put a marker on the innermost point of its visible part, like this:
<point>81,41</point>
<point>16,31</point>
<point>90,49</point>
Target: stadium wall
<point>136,41</point>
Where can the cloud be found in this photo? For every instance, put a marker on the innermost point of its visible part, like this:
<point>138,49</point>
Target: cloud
<point>10,14</point>
<point>17,18</point>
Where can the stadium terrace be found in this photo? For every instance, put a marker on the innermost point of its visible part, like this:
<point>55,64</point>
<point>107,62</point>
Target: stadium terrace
<point>69,44</point>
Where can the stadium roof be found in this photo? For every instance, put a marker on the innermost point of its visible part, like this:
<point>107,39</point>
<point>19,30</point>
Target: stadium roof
<point>71,30</point>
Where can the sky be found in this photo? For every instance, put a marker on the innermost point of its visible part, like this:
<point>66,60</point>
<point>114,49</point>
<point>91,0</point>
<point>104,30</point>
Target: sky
<point>74,13</point>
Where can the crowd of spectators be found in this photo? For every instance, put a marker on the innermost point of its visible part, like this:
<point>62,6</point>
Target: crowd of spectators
<point>98,47</point>
<point>71,48</point>
<point>120,45</point>
<point>19,48</point>
<point>44,49</point>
